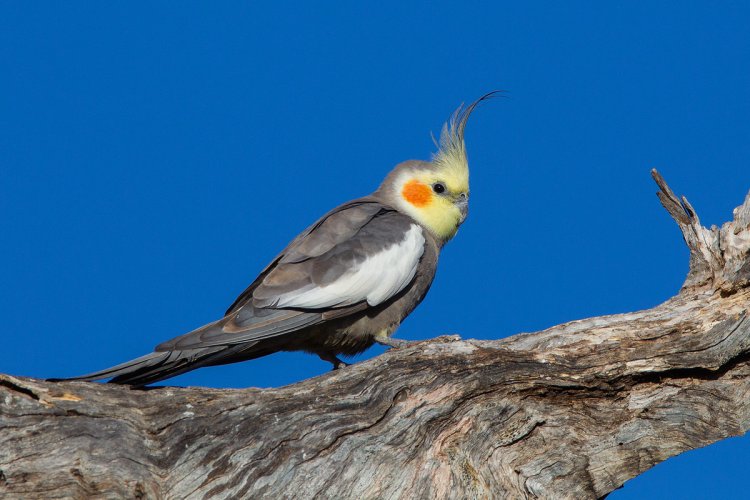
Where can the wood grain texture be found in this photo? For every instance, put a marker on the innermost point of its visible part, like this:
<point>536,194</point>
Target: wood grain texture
<point>568,412</point>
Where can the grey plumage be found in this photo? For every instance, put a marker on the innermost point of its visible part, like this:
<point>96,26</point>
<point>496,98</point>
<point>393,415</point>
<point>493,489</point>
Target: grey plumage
<point>318,256</point>
<point>345,282</point>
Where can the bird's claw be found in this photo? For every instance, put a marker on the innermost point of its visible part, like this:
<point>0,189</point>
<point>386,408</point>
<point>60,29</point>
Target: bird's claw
<point>338,364</point>
<point>335,361</point>
<point>391,342</point>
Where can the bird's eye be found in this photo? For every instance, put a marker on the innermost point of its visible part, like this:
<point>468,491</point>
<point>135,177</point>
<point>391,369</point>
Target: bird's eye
<point>438,187</point>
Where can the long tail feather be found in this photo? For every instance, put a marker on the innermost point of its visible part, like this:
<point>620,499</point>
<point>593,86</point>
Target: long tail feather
<point>162,365</point>
<point>151,367</point>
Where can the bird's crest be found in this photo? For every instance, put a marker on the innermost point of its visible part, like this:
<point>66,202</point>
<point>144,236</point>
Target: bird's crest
<point>451,154</point>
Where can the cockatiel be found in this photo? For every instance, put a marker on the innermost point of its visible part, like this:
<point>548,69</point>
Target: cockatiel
<point>344,283</point>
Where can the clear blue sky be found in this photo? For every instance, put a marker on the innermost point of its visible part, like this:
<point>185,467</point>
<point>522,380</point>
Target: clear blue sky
<point>155,156</point>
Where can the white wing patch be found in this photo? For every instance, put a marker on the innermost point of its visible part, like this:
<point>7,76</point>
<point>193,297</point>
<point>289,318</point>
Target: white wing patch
<point>378,278</point>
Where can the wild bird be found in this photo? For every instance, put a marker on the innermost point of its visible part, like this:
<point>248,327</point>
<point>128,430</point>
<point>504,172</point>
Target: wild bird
<point>344,283</point>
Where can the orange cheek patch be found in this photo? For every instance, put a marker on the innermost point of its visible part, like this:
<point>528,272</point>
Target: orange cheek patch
<point>416,193</point>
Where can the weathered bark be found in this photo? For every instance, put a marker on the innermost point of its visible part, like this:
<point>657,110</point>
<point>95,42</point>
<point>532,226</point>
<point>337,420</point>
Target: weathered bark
<point>572,411</point>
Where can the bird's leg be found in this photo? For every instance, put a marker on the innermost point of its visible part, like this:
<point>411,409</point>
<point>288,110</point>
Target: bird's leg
<point>382,338</point>
<point>331,358</point>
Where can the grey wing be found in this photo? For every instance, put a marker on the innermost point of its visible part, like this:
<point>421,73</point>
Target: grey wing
<point>337,226</point>
<point>359,255</point>
<point>372,265</point>
<point>247,324</point>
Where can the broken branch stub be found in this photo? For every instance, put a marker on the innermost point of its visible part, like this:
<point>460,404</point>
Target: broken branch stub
<point>718,257</point>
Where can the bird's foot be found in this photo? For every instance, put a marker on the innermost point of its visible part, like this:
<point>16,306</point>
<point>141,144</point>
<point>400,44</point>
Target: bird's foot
<point>391,342</point>
<point>338,364</point>
<point>335,361</point>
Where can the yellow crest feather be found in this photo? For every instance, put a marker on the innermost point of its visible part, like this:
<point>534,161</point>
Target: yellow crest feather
<point>451,154</point>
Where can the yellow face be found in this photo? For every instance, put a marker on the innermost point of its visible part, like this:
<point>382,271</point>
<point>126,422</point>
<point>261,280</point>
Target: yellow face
<point>436,194</point>
<point>436,199</point>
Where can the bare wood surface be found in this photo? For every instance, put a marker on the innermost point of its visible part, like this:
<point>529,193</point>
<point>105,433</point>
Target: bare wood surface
<point>568,412</point>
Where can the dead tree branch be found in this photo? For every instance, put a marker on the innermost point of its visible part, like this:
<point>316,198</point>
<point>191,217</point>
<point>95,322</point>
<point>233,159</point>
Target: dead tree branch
<point>573,411</point>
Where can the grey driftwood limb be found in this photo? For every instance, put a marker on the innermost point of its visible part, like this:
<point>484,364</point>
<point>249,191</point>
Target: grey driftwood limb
<point>569,412</point>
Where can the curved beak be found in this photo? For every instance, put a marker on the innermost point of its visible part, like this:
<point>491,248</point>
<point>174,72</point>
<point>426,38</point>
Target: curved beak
<point>462,203</point>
